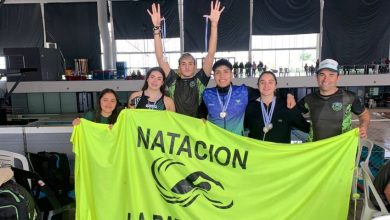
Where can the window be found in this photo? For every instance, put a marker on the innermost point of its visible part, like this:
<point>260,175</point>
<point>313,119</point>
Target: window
<point>285,51</point>
<point>2,67</point>
<point>284,41</point>
<point>2,62</point>
<point>276,51</point>
<point>139,54</point>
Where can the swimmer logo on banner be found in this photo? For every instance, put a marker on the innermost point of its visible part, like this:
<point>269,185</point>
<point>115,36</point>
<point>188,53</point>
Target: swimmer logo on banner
<point>163,165</point>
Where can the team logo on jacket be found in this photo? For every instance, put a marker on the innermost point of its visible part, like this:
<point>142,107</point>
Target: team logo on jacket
<point>192,84</point>
<point>178,186</point>
<point>337,106</point>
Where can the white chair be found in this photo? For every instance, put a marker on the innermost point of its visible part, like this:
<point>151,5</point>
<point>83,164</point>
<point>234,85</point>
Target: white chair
<point>385,217</point>
<point>9,158</point>
<point>369,210</point>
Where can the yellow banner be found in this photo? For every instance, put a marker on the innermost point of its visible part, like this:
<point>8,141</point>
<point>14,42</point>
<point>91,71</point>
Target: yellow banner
<point>161,165</point>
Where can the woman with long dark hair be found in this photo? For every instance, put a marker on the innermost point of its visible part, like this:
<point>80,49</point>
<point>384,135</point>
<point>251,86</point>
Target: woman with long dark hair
<point>268,118</point>
<point>107,110</point>
<point>152,95</point>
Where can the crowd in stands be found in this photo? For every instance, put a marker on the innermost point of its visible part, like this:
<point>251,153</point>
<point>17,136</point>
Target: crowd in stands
<point>136,76</point>
<point>378,66</point>
<point>253,69</point>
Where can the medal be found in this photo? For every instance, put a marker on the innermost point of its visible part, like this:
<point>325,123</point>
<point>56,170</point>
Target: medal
<point>224,106</point>
<point>269,126</point>
<point>222,114</point>
<point>265,129</point>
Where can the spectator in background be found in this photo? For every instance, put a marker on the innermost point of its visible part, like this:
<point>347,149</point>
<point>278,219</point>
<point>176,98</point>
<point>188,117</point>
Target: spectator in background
<point>382,68</point>
<point>306,68</point>
<point>235,69</point>
<point>254,67</point>
<point>377,64</point>
<point>241,66</point>
<point>366,69</point>
<point>139,75</point>
<point>312,70</point>
<point>133,75</point>
<point>348,67</point>
<point>248,68</point>
<point>260,67</point>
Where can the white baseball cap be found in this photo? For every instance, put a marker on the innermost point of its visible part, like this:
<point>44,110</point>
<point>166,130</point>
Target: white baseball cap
<point>329,64</point>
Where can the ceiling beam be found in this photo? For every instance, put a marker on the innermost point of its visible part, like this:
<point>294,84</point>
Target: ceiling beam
<point>44,1</point>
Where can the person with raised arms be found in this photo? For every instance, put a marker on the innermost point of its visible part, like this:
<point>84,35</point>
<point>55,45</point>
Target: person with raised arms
<point>186,86</point>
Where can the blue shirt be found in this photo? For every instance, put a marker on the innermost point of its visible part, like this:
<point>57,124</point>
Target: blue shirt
<point>234,120</point>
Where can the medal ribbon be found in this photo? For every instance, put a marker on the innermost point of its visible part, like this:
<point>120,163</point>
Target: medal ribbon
<point>267,116</point>
<point>205,34</point>
<point>164,35</point>
<point>229,95</point>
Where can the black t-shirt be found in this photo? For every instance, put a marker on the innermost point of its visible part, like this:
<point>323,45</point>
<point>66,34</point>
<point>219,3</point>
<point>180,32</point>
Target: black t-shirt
<point>187,93</point>
<point>330,115</point>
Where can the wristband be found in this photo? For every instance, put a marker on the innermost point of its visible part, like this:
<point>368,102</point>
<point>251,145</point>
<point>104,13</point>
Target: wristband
<point>155,28</point>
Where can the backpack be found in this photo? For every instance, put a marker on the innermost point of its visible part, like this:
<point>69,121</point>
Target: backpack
<point>54,169</point>
<point>16,203</point>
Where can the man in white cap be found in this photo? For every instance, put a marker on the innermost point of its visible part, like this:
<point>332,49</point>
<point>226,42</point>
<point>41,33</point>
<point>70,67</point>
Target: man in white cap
<point>330,108</point>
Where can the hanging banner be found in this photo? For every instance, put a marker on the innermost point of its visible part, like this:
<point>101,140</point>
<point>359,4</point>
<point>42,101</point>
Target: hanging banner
<point>159,165</point>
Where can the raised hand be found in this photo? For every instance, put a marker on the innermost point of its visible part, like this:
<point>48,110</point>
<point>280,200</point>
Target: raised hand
<point>155,15</point>
<point>215,11</point>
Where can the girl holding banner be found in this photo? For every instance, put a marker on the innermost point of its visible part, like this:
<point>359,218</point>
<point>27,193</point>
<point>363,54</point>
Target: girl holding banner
<point>107,109</point>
